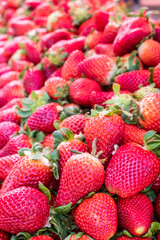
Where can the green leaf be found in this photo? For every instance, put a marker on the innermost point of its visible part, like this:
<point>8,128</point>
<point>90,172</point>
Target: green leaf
<point>116,89</point>
<point>40,137</point>
<point>151,195</point>
<point>68,133</point>
<point>58,138</point>
<point>148,135</point>
<point>63,209</point>
<point>22,150</point>
<point>126,233</point>
<point>45,191</point>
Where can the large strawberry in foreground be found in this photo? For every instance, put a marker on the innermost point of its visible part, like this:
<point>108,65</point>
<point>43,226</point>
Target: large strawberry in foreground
<point>23,209</point>
<point>131,169</point>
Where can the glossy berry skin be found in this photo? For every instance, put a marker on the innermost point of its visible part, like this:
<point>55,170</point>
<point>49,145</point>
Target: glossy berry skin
<point>97,216</point>
<point>8,77</point>
<point>27,172</point>
<point>110,32</point>
<point>42,119</point>
<point>133,134</point>
<point>13,103</point>
<point>133,238</point>
<point>149,52</point>
<point>81,175</point>
<point>70,67</point>
<point>41,237</point>
<point>130,81</point>
<point>109,130</point>
<point>33,79</point>
<point>130,170</point>
<point>75,123</point>
<point>24,209</point>
<point>4,235</point>
<point>15,144</point>
<point>64,151</point>
<point>157,207</point>
<point>149,108</point>
<point>135,213</point>
<point>98,67</point>
<point>10,115</point>
<point>158,236</point>
<point>156,185</point>
<point>131,32</point>
<point>84,237</point>
<point>6,164</point>
<point>7,129</point>
<point>80,90</point>
<point>48,141</point>
<point>156,76</point>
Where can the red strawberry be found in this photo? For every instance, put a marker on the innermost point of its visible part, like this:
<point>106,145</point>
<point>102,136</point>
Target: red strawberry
<point>131,32</point>
<point>21,26</point>
<point>12,46</point>
<point>106,49</point>
<point>4,235</point>
<point>10,91</point>
<point>41,237</point>
<point>156,76</point>
<point>14,102</point>
<point>52,86</point>
<point>131,169</point>
<point>133,134</point>
<point>22,202</point>
<point>110,32</point>
<point>132,80</point>
<point>5,69</point>
<point>6,164</point>
<point>84,237</point>
<point>75,123</point>
<point>42,119</point>
<point>15,144</point>
<point>98,67</point>
<point>10,115</point>
<point>33,79</point>
<point>98,98</point>
<point>135,213</point>
<point>21,65</point>
<point>32,52</point>
<point>101,19</point>
<point>93,38</point>
<point>157,207</point>
<point>33,3</point>
<point>28,172</point>
<point>80,90</point>
<point>156,185</point>
<point>109,130</point>
<point>7,129</point>
<point>70,67</point>
<point>149,52</point>
<point>97,216</point>
<point>8,77</point>
<point>157,36</point>
<point>86,27</point>
<point>81,175</point>
<point>133,238</point>
<point>158,236</point>
<point>49,39</point>
<point>149,108</point>
<point>48,141</point>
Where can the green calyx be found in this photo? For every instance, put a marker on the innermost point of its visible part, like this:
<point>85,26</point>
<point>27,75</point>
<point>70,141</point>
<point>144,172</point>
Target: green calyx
<point>144,91</point>
<point>61,135</point>
<point>152,142</point>
<point>79,15</point>
<point>57,58</point>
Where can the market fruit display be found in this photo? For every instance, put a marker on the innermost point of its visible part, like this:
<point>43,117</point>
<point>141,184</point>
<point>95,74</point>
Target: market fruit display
<point>79,121</point>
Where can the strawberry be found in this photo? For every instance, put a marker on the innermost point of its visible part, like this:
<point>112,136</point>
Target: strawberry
<point>54,84</point>
<point>101,209</point>
<point>109,130</point>
<point>106,49</point>
<point>157,206</point>
<point>98,67</point>
<point>42,119</point>
<point>149,52</point>
<point>6,164</point>
<point>101,19</point>
<point>8,77</point>
<point>70,67</point>
<point>49,39</point>
<point>130,81</point>
<point>133,238</point>
<point>80,90</point>
<point>48,141</point>
<point>22,202</point>
<point>5,69</point>
<point>21,26</point>
<point>12,46</point>
<point>15,144</point>
<point>149,109</point>
<point>48,68</point>
<point>33,79</point>
<point>10,115</point>
<point>41,237</point>
<point>4,235</point>
<point>33,3</point>
<point>110,32</point>
<point>81,175</point>
<point>133,134</point>
<point>29,172</point>
<point>135,213</point>
<point>98,98</point>
<point>131,169</point>
<point>75,123</point>
<point>93,38</point>
<point>156,185</point>
<point>32,52</point>
<point>157,36</point>
<point>10,91</point>
<point>84,237</point>
<point>156,76</point>
<point>131,32</point>
<point>21,65</point>
<point>7,129</point>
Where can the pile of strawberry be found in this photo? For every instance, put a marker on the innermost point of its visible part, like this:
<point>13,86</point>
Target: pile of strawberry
<point>79,121</point>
